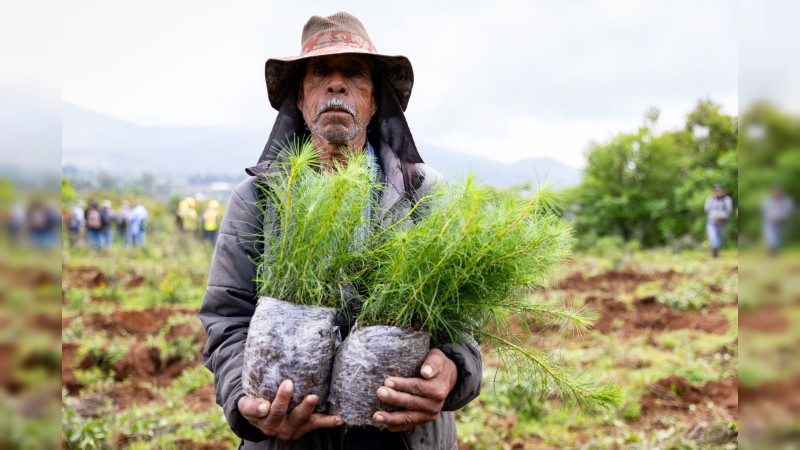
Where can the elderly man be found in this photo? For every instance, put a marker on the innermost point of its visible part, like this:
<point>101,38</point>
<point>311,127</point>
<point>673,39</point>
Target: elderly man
<point>342,94</point>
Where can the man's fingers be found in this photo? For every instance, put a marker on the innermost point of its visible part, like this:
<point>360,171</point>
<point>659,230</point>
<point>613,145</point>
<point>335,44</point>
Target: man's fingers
<point>280,406</point>
<point>317,420</point>
<point>417,386</point>
<point>408,401</point>
<point>253,407</point>
<point>433,364</point>
<point>301,413</point>
<point>403,420</point>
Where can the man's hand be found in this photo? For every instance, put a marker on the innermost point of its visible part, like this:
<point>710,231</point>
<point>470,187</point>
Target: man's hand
<point>422,399</point>
<point>276,420</point>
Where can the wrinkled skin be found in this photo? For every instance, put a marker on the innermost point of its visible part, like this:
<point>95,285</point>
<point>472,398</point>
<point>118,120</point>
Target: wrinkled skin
<point>347,79</point>
<point>421,398</point>
<point>275,419</point>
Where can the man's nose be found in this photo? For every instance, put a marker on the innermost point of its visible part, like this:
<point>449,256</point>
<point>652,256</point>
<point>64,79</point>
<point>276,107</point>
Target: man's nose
<point>337,83</point>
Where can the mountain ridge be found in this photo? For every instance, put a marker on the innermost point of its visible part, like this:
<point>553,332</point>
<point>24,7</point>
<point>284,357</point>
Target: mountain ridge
<point>93,141</point>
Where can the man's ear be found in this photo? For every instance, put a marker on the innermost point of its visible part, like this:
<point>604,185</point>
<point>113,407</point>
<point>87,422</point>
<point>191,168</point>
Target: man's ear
<point>300,97</point>
<point>374,105</point>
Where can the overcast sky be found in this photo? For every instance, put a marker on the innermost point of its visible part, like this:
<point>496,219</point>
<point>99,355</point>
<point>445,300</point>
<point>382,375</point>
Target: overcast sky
<point>508,80</point>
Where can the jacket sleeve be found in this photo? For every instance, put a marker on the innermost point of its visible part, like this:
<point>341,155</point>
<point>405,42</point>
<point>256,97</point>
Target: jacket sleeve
<point>467,358</point>
<point>229,303</point>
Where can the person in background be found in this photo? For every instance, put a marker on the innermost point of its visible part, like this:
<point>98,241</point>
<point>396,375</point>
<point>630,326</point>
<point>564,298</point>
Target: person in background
<point>16,224</point>
<point>178,218</point>
<point>138,216</point>
<point>188,216</point>
<point>109,218</point>
<point>210,221</point>
<point>718,208</point>
<point>777,209</point>
<point>94,227</point>
<point>76,223</point>
<point>124,224</point>
<point>43,224</point>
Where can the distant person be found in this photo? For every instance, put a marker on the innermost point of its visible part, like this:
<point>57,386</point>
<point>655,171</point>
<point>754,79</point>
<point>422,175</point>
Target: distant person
<point>777,209</point>
<point>124,224</point>
<point>138,218</point>
<point>718,208</point>
<point>76,223</point>
<point>109,219</point>
<point>16,224</point>
<point>188,216</point>
<point>43,225</point>
<point>94,227</point>
<point>210,221</point>
<point>178,217</point>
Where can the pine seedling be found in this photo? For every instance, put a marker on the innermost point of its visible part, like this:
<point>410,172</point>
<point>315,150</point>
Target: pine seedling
<point>466,268</point>
<point>315,225</point>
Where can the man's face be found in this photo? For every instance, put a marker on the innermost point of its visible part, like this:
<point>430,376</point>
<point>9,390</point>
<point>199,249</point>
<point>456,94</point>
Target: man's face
<point>718,193</point>
<point>336,96</point>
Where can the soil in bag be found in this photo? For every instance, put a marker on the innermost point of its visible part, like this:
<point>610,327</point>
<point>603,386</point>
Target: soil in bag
<point>290,341</point>
<point>367,357</point>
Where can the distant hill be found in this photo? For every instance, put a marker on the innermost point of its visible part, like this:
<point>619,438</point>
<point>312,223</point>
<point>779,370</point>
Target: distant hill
<point>93,141</point>
<point>536,170</point>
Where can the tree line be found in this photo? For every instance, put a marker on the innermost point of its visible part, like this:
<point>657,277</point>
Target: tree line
<point>650,187</point>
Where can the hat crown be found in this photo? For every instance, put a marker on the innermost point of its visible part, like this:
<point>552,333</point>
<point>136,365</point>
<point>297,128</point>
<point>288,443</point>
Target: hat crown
<point>339,33</point>
<point>340,29</point>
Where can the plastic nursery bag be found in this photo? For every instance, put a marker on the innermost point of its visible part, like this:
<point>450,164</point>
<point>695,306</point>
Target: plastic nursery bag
<point>367,357</point>
<point>290,341</point>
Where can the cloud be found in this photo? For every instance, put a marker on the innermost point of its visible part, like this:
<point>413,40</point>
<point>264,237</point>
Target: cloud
<point>555,73</point>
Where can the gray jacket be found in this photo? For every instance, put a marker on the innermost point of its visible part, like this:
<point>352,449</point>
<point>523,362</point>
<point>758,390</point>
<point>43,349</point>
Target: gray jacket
<point>230,300</point>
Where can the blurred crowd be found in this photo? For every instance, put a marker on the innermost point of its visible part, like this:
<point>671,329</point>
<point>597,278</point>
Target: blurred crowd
<point>187,223</point>
<point>100,225</point>
<point>40,222</point>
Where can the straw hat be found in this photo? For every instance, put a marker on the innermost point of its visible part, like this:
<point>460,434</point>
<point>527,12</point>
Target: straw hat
<point>336,34</point>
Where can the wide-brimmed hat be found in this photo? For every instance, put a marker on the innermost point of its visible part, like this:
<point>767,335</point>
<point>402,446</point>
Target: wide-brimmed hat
<point>336,34</point>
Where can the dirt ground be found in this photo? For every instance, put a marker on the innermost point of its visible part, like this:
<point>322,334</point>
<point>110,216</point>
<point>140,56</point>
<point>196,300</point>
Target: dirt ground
<point>141,370</point>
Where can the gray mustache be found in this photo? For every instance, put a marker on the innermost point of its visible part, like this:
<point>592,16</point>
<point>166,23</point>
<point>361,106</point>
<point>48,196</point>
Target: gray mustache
<point>336,103</point>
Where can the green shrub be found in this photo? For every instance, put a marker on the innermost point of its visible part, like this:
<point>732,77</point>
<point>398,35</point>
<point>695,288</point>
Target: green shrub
<point>691,296</point>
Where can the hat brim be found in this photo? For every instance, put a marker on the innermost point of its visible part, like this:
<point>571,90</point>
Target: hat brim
<point>279,73</point>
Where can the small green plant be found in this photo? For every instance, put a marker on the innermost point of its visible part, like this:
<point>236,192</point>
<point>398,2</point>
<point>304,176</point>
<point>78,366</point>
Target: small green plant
<point>632,411</point>
<point>94,376</point>
<point>319,225</point>
<point>691,296</point>
<point>76,298</point>
<point>466,268</point>
<point>174,289</point>
<point>101,350</point>
<point>84,433</point>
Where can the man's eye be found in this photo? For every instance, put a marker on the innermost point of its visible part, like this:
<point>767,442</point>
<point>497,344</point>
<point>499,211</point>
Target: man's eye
<point>356,72</point>
<point>319,70</point>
